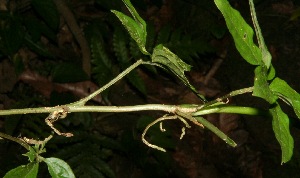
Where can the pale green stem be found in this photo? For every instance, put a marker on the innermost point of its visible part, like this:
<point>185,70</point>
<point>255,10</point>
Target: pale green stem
<point>216,131</point>
<point>209,126</point>
<point>76,108</point>
<point>231,109</point>
<point>113,81</point>
<point>231,94</point>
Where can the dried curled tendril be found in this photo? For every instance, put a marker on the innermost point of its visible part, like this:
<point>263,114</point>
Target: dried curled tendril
<point>56,115</point>
<point>165,117</point>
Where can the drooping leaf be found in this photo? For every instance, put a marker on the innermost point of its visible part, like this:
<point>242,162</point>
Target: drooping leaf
<point>288,94</point>
<point>241,32</point>
<point>59,168</point>
<point>281,129</point>
<point>25,171</point>
<point>266,56</point>
<point>47,10</point>
<point>261,85</point>
<point>168,59</point>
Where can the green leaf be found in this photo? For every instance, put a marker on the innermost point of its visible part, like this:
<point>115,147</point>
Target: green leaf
<point>134,30</point>
<point>47,10</point>
<point>281,129</point>
<point>167,58</point>
<point>271,73</point>
<point>59,168</point>
<point>286,93</point>
<point>241,32</point>
<point>25,171</point>
<point>261,85</point>
<point>134,13</point>
<point>137,28</point>
<point>266,56</point>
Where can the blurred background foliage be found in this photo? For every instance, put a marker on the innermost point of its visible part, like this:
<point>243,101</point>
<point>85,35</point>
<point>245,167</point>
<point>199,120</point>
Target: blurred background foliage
<point>42,65</point>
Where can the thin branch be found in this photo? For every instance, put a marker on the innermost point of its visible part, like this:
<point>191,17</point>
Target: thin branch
<point>17,140</point>
<point>225,97</point>
<point>113,81</point>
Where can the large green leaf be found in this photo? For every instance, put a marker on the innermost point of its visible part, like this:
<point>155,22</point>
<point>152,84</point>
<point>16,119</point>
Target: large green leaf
<point>59,168</point>
<point>261,85</point>
<point>241,32</point>
<point>47,10</point>
<point>25,171</point>
<point>168,59</point>
<point>281,129</point>
<point>285,92</point>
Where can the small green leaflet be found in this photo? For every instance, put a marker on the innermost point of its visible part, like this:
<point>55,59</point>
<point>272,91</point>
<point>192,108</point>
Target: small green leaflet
<point>136,27</point>
<point>31,154</point>
<point>286,93</point>
<point>241,32</point>
<point>25,171</point>
<point>59,168</point>
<point>261,85</point>
<point>281,129</point>
<point>167,58</point>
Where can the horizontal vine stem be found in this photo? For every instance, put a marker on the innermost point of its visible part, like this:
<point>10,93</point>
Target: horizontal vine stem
<point>146,107</point>
<point>74,108</point>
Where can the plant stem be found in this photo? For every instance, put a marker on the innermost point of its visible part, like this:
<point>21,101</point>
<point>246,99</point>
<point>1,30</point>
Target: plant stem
<point>113,81</point>
<point>231,109</point>
<point>76,108</point>
<point>216,131</point>
<point>229,95</point>
<point>209,126</point>
<point>17,140</point>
